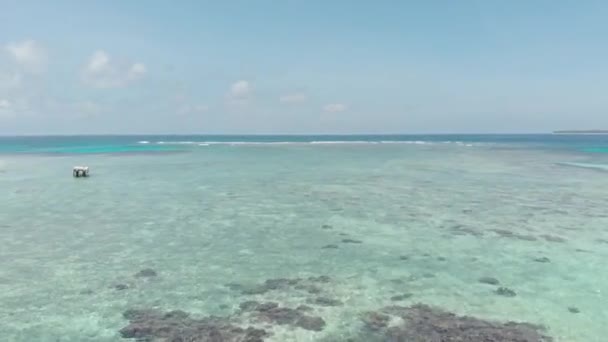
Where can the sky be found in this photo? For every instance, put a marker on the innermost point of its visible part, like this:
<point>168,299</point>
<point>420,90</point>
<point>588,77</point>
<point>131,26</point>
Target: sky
<point>302,66</point>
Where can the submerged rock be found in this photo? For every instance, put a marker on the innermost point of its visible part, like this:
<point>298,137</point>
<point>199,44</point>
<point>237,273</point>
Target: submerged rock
<point>287,283</point>
<point>120,287</point>
<point>542,259</point>
<point>462,230</point>
<point>154,325</point>
<point>505,291</point>
<point>234,286</point>
<point>255,290</point>
<point>573,309</point>
<point>313,323</point>
<point>266,306</point>
<point>401,297</point>
<point>273,284</point>
<point>553,238</point>
<point>513,235</point>
<point>146,273</point>
<point>304,308</point>
<point>330,247</point>
<point>249,305</point>
<point>375,320</point>
<point>272,312</point>
<point>422,323</point>
<point>312,289</point>
<point>489,280</point>
<point>320,279</point>
<point>324,301</point>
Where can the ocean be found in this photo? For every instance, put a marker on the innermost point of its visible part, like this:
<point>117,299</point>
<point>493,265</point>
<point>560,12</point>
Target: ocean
<point>304,238</point>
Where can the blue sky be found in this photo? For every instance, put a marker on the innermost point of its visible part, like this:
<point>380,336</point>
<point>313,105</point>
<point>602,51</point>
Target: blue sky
<point>69,67</point>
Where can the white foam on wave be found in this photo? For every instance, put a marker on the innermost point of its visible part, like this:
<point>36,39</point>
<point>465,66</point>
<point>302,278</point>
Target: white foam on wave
<point>143,142</point>
<point>329,142</point>
<point>600,167</point>
<point>314,142</point>
<point>179,142</point>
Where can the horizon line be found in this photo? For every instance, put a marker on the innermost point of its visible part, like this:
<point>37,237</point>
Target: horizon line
<point>264,134</point>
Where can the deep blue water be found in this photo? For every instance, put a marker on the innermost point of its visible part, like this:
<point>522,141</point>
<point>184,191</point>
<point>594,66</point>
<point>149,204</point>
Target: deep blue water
<point>167,143</point>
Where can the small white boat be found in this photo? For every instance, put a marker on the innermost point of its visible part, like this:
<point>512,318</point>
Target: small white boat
<point>80,171</point>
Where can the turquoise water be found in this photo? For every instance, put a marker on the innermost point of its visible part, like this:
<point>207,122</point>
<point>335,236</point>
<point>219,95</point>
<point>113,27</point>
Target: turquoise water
<point>433,214</point>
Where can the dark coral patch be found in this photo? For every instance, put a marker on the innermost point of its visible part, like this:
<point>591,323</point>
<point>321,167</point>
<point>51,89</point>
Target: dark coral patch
<point>574,310</point>
<point>330,246</point>
<point>324,301</point>
<point>426,324</point>
<point>307,285</point>
<point>273,313</point>
<point>489,280</point>
<point>553,238</point>
<point>542,259</point>
<point>401,297</point>
<point>375,320</point>
<point>320,279</point>
<point>154,325</point>
<point>120,287</point>
<point>505,291</point>
<point>462,230</point>
<point>146,273</point>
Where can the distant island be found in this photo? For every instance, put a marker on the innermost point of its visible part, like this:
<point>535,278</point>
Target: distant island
<point>588,131</point>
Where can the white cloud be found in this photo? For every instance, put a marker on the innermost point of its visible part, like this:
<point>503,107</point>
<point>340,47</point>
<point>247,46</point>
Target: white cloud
<point>6,109</point>
<point>102,71</point>
<point>99,62</point>
<point>5,104</point>
<point>12,108</point>
<point>137,70</point>
<point>240,89</point>
<point>293,98</point>
<point>29,54</point>
<point>335,107</point>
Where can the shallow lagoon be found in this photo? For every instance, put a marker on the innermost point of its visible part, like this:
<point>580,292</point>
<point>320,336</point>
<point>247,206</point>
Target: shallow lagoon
<point>419,222</point>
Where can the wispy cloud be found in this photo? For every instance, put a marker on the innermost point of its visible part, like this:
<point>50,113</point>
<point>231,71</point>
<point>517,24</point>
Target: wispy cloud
<point>335,107</point>
<point>10,108</point>
<point>30,55</point>
<point>101,71</point>
<point>240,90</point>
<point>5,108</point>
<point>5,104</point>
<point>293,98</point>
